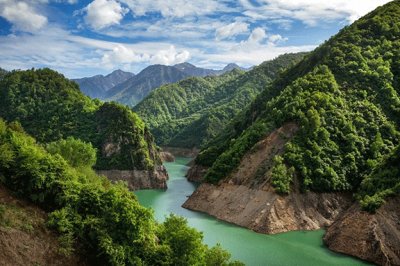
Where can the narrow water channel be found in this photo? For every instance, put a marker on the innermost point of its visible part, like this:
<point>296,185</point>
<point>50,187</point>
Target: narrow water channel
<point>293,248</point>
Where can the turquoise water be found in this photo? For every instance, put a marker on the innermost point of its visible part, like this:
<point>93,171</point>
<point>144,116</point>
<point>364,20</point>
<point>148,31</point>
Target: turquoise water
<point>293,248</point>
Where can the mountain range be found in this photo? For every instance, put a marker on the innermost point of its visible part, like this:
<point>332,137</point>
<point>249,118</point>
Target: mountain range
<point>128,88</point>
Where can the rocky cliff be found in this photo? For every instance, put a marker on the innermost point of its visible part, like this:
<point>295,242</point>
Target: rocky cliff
<point>139,179</point>
<point>372,237</point>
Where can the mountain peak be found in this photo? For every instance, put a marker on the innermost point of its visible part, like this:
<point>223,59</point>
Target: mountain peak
<point>231,66</point>
<point>184,65</point>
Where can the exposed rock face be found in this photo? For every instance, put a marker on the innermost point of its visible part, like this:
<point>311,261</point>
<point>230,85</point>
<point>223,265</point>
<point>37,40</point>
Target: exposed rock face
<point>196,173</point>
<point>139,179</point>
<point>266,212</point>
<point>167,156</point>
<point>372,237</point>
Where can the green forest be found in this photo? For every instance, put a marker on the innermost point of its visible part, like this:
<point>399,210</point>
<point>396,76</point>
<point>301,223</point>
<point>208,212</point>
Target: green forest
<point>101,220</point>
<point>193,111</point>
<point>50,108</point>
<point>345,98</point>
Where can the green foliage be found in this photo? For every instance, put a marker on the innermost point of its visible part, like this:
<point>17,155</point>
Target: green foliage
<point>193,111</point>
<point>345,98</point>
<point>51,107</point>
<point>76,152</point>
<point>281,176</point>
<point>384,181</point>
<point>103,220</point>
<point>185,242</point>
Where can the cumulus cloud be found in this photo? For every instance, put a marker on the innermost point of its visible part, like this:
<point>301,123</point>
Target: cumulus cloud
<point>276,38</point>
<point>231,30</point>
<point>22,16</point>
<point>103,13</point>
<point>310,12</point>
<point>121,54</point>
<point>170,56</point>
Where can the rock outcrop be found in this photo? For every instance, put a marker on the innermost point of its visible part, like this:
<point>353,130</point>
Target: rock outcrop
<point>139,179</point>
<point>264,211</point>
<point>371,237</point>
<point>167,156</point>
<point>196,173</point>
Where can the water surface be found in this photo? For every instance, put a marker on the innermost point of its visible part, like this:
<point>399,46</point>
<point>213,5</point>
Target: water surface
<point>292,248</point>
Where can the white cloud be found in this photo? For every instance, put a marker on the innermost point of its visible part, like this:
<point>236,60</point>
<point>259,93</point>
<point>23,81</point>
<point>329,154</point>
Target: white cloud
<point>310,12</point>
<point>121,54</point>
<point>276,38</point>
<point>174,8</point>
<point>231,30</point>
<point>257,35</point>
<point>22,16</point>
<point>104,13</point>
<point>170,56</point>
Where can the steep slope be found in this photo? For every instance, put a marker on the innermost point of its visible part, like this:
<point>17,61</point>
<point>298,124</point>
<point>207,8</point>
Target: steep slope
<point>102,221</point>
<point>344,99</point>
<point>136,88</point>
<point>25,238</point>
<point>189,113</point>
<point>51,107</point>
<point>97,86</point>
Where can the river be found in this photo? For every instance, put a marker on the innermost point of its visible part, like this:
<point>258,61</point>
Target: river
<point>292,248</point>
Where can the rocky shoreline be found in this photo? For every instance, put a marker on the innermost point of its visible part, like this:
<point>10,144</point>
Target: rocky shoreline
<point>139,179</point>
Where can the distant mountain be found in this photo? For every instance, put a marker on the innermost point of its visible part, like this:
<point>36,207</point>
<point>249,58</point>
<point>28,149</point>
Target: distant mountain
<point>136,88</point>
<point>133,90</point>
<point>97,86</point>
<point>195,71</point>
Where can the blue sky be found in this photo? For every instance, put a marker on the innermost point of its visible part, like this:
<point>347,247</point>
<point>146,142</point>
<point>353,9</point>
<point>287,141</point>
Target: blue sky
<point>84,38</point>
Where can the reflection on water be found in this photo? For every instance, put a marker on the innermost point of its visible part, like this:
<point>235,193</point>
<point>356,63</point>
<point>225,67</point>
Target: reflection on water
<point>293,248</point>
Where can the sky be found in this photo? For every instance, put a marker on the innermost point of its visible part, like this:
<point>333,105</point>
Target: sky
<point>84,38</point>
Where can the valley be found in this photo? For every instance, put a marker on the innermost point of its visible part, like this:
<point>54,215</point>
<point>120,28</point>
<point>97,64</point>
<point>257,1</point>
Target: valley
<point>271,140</point>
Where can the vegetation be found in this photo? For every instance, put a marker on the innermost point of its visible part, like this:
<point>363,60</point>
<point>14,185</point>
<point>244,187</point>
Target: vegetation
<point>191,112</point>
<point>345,98</point>
<point>103,220</point>
<point>50,108</point>
<point>384,181</point>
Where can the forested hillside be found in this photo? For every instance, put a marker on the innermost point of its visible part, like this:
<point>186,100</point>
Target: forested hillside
<point>189,113</point>
<point>50,107</point>
<point>344,97</point>
<point>102,222</point>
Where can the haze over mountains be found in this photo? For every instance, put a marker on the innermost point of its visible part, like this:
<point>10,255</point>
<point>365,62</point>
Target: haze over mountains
<point>128,88</point>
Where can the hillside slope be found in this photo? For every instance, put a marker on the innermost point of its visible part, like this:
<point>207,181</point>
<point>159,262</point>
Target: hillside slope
<point>50,108</point>
<point>344,99</point>
<point>25,238</point>
<point>189,113</point>
<point>91,216</point>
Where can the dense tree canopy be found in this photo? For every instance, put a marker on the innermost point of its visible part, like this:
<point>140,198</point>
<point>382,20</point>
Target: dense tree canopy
<point>51,107</point>
<point>103,221</point>
<point>345,98</point>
